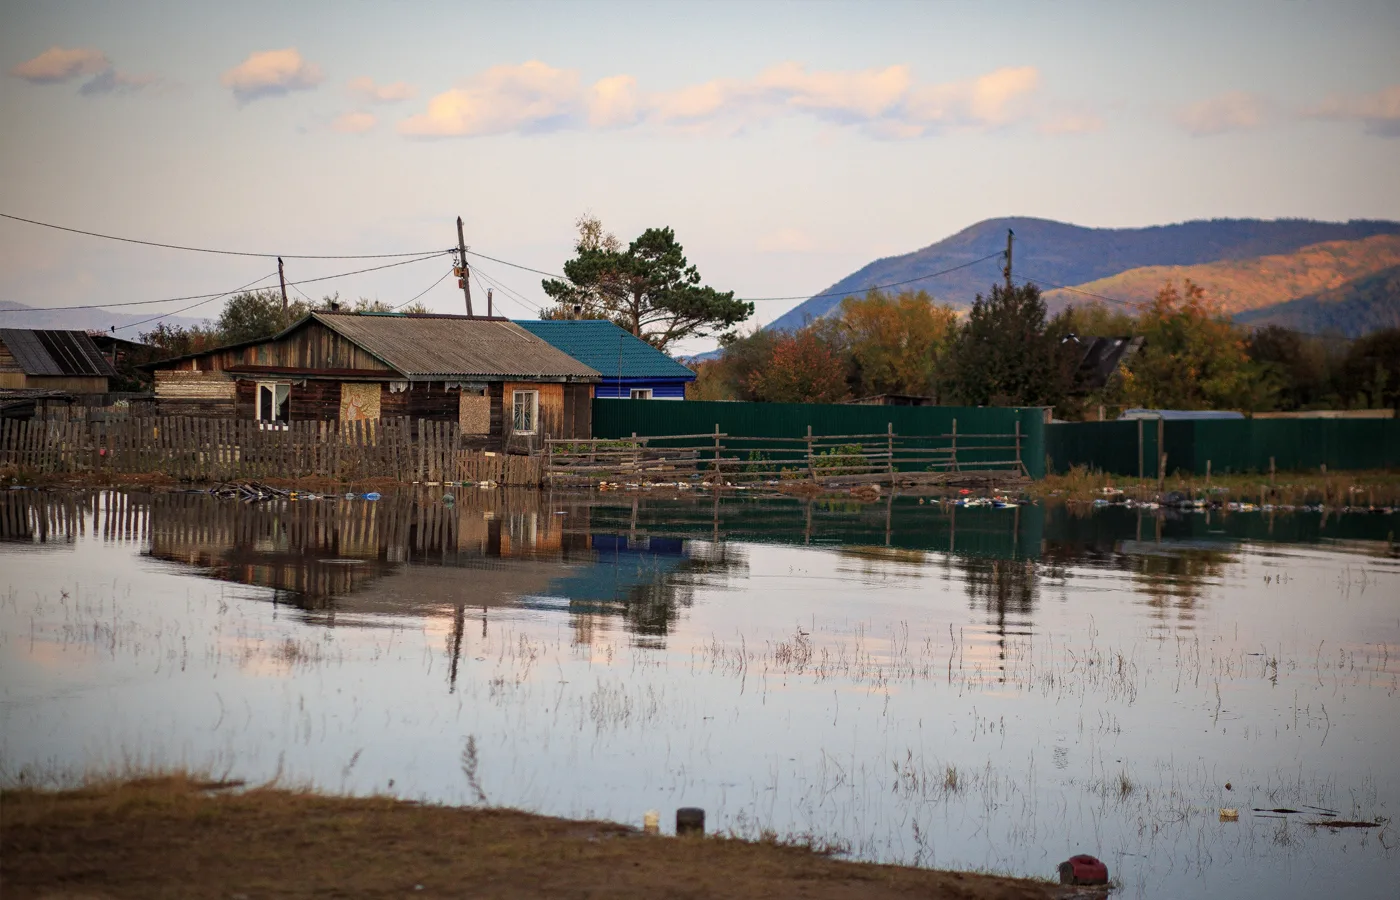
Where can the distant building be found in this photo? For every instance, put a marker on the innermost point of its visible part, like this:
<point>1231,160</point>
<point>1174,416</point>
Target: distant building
<point>1181,415</point>
<point>50,360</point>
<point>504,386</point>
<point>894,400</point>
<point>630,367</point>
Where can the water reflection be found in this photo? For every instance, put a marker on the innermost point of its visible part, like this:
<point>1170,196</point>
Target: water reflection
<point>973,688</point>
<point>637,562</point>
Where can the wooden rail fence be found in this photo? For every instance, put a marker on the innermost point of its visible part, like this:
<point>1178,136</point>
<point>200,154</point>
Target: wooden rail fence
<point>831,459</point>
<point>199,449</point>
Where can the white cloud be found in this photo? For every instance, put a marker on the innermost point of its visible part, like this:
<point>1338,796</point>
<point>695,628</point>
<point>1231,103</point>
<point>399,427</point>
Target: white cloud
<point>110,81</point>
<point>1378,111</point>
<point>271,73</point>
<point>354,123</point>
<point>530,97</point>
<point>885,103</point>
<point>367,91</point>
<point>57,64</point>
<point>1233,111</point>
<point>614,102</point>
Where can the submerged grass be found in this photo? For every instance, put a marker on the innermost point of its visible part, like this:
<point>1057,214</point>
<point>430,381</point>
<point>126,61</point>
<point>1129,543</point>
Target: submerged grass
<point>1359,489</point>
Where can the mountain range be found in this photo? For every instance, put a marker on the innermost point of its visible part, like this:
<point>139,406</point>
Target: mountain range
<point>1055,254</point>
<point>18,315</point>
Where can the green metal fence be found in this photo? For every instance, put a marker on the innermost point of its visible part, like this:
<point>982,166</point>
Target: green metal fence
<point>652,418</point>
<point>1226,446</point>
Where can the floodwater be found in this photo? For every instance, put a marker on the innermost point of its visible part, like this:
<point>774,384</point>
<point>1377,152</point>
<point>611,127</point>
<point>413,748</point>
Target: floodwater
<point>990,689</point>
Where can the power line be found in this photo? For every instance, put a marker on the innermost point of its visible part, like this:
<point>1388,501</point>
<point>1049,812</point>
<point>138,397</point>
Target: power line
<point>226,293</point>
<point>127,240</point>
<point>425,290</point>
<point>877,287</point>
<point>511,294</point>
<point>165,315</point>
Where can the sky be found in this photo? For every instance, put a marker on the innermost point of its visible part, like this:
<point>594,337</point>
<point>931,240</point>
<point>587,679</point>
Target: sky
<point>787,144</point>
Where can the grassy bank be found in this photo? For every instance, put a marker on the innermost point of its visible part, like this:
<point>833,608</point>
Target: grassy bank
<point>1334,490</point>
<point>178,836</point>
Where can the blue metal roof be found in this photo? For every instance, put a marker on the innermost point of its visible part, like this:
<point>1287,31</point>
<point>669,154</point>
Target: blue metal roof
<point>601,345</point>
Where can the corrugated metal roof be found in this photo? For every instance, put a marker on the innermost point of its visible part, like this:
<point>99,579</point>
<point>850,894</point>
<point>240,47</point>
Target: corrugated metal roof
<point>602,345</point>
<point>51,352</point>
<point>436,346</point>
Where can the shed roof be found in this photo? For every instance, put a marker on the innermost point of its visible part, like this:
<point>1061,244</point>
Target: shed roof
<point>52,352</point>
<point>607,348</point>
<point>424,346</point>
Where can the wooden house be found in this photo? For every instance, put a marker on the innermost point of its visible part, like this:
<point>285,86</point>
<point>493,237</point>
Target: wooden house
<point>51,360</point>
<point>505,386</point>
<point>631,369</point>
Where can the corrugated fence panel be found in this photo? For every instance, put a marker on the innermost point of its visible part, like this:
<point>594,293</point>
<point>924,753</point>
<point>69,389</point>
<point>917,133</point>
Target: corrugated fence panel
<point>649,418</point>
<point>1227,446</point>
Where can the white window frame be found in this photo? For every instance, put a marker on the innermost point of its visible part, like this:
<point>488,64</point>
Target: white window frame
<point>532,401</point>
<point>282,387</point>
<point>639,394</point>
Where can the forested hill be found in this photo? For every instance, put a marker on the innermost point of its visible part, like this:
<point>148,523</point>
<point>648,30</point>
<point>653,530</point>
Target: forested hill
<point>1365,304</point>
<point>1060,253</point>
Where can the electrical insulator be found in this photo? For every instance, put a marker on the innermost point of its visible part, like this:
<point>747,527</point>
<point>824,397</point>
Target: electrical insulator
<point>461,282</point>
<point>457,270</point>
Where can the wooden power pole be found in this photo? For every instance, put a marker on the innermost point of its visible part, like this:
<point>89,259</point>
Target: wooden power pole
<point>464,273</point>
<point>1010,235</point>
<point>282,277</point>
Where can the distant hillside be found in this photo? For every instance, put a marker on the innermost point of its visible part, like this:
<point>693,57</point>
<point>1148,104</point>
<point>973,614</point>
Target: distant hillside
<point>1363,305</point>
<point>17,315</point>
<point>1069,254</point>
<point>1241,285</point>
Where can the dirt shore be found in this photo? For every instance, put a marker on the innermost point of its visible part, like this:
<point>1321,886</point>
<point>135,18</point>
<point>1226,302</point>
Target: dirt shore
<point>176,837</point>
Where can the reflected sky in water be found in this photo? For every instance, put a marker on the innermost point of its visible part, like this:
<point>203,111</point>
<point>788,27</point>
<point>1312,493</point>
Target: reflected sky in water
<point>958,688</point>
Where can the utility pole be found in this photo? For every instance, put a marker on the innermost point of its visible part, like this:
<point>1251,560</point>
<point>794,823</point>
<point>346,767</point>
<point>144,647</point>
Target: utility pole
<point>1010,235</point>
<point>464,273</point>
<point>489,292</point>
<point>282,277</point>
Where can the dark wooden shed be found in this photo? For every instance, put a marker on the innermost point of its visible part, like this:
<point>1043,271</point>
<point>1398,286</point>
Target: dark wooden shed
<point>505,386</point>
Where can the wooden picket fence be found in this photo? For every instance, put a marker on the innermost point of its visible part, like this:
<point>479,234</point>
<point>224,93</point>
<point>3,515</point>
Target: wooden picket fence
<point>200,449</point>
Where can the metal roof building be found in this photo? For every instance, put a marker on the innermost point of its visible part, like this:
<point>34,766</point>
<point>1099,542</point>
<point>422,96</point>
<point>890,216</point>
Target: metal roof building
<point>629,366</point>
<point>493,377</point>
<point>52,360</point>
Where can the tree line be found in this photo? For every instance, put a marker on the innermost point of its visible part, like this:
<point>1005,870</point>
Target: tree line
<point>1008,351</point>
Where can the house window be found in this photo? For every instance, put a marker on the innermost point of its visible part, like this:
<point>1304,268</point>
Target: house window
<point>274,402</point>
<point>526,406</point>
<point>641,394</point>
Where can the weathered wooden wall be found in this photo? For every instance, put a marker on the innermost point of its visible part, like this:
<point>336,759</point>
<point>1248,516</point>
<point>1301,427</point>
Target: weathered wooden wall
<point>314,346</point>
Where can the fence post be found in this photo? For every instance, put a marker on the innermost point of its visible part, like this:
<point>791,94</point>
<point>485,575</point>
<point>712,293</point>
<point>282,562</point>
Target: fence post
<point>719,473</point>
<point>1020,465</point>
<point>889,427</point>
<point>811,473</point>
<point>1161,445</point>
<point>956,467</point>
<point>1161,471</point>
<point>1207,473</point>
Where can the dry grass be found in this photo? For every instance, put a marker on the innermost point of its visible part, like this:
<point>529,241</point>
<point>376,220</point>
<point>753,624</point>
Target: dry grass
<point>1340,489</point>
<point>181,836</point>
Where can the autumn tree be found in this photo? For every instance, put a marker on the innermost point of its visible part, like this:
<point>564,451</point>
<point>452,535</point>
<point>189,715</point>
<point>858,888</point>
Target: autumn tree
<point>896,343</point>
<point>649,288</point>
<point>1005,356</point>
<point>804,368</point>
<point>1193,357</point>
<point>1370,375</point>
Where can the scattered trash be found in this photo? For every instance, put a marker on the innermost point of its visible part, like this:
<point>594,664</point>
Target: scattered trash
<point>372,495</point>
<point>651,822</point>
<point>449,498</point>
<point>690,820</point>
<point>1229,814</point>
